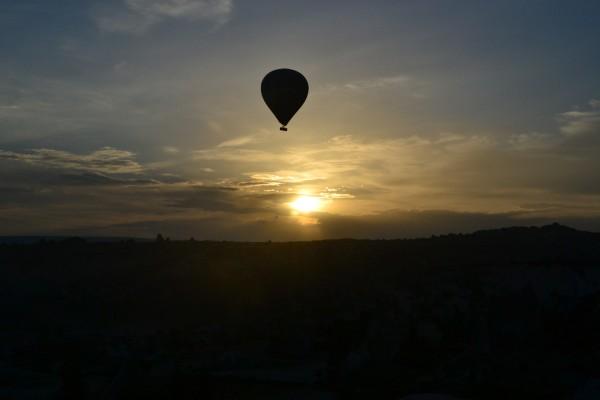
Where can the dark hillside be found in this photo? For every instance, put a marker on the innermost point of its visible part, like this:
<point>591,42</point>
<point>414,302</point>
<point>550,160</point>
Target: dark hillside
<point>509,313</point>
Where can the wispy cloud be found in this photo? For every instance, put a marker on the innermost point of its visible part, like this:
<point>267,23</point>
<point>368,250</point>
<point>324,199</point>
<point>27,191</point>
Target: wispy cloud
<point>240,141</point>
<point>241,187</point>
<point>281,178</point>
<point>137,16</point>
<point>234,154</point>
<point>481,172</point>
<point>582,121</point>
<point>411,86</point>
<point>170,149</point>
<point>105,160</point>
<point>533,141</point>
<point>379,82</point>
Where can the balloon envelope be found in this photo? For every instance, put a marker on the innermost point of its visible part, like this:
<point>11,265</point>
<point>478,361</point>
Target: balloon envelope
<point>284,90</point>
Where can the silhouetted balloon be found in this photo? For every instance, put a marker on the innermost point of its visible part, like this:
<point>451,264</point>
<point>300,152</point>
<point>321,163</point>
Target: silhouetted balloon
<point>284,90</point>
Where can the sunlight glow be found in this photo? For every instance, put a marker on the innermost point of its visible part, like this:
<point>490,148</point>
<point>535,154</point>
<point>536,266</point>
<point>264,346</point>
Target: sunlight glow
<point>306,204</point>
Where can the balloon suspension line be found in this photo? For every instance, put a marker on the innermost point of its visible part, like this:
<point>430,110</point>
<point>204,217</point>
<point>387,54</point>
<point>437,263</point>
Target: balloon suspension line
<point>283,129</point>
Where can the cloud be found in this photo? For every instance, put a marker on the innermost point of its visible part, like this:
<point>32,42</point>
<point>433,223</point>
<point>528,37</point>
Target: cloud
<point>191,9</point>
<point>533,141</point>
<point>140,15</point>
<point>582,122</point>
<point>379,82</point>
<point>238,141</point>
<point>457,171</point>
<point>222,199</point>
<point>288,178</point>
<point>412,87</point>
<point>369,185</point>
<point>105,160</point>
<point>377,173</point>
<point>59,107</point>
<point>94,179</point>
<point>170,149</point>
<point>235,155</point>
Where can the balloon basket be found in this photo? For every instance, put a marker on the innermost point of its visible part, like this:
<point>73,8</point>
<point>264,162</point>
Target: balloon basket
<point>283,129</point>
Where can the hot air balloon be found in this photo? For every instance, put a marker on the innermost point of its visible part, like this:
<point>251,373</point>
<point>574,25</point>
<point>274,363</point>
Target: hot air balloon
<point>284,90</point>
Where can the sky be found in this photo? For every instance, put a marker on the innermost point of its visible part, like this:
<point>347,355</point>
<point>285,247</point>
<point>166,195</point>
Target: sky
<point>134,117</point>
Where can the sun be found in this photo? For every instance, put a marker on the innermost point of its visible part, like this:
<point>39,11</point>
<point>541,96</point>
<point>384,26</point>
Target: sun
<point>306,204</point>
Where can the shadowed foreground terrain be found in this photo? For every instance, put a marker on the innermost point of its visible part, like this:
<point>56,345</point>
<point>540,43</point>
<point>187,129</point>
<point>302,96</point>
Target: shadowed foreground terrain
<point>510,313</point>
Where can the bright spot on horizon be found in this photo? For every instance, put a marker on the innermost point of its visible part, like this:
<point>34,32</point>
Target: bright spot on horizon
<point>306,204</point>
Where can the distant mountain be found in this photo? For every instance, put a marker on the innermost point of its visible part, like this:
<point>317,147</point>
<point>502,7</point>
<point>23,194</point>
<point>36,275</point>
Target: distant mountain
<point>550,232</point>
<point>554,229</point>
